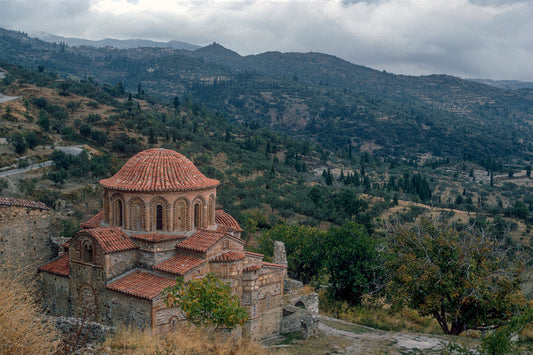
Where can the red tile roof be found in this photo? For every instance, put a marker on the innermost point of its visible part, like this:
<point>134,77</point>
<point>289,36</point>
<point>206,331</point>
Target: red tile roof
<point>111,239</point>
<point>204,239</point>
<point>273,265</point>
<point>159,169</point>
<point>179,264</point>
<point>7,201</point>
<point>226,222</point>
<point>157,237</point>
<point>94,221</point>
<point>256,255</point>
<point>141,284</point>
<point>227,257</point>
<point>60,266</point>
<point>252,268</point>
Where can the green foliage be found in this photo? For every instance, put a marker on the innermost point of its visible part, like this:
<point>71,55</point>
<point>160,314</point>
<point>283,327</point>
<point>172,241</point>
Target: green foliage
<point>70,227</point>
<point>304,246</point>
<point>206,302</point>
<point>347,257</point>
<point>500,341</point>
<point>3,184</point>
<point>466,278</point>
<point>353,262</point>
<point>18,142</point>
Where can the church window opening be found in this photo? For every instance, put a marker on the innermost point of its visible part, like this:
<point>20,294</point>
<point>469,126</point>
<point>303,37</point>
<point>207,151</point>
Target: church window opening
<point>87,252</point>
<point>159,218</point>
<point>197,215</point>
<point>118,213</point>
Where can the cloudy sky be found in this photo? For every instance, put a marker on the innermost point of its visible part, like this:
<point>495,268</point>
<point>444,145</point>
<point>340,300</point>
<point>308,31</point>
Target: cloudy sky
<point>467,38</point>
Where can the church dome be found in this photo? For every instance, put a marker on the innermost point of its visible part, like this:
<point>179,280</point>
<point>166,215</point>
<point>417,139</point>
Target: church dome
<point>159,169</point>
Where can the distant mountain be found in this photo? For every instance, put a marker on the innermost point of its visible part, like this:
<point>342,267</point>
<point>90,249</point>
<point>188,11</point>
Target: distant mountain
<point>115,43</point>
<point>341,105</point>
<point>505,84</point>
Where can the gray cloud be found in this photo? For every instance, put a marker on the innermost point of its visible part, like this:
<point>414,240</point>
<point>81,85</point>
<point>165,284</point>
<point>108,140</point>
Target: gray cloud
<point>469,38</point>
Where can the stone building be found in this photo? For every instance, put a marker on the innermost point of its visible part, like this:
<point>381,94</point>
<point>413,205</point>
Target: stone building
<point>25,235</point>
<point>159,221</point>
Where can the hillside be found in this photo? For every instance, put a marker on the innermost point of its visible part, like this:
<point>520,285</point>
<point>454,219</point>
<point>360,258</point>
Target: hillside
<point>342,106</point>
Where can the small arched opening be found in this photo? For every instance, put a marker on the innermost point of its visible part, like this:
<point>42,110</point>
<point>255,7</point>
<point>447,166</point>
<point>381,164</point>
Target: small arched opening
<point>198,215</point>
<point>87,251</point>
<point>300,304</point>
<point>159,218</point>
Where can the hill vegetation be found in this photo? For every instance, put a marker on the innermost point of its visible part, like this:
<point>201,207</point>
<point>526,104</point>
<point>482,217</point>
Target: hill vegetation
<point>315,151</point>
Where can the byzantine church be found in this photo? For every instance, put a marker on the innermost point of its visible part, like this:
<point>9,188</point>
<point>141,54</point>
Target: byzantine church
<point>159,221</point>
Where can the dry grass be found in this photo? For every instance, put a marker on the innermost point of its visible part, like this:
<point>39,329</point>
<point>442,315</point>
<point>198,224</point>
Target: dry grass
<point>24,329</point>
<point>187,340</point>
<point>376,313</point>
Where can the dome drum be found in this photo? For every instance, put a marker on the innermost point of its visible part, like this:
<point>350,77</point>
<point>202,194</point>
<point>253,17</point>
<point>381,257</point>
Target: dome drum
<point>159,190</point>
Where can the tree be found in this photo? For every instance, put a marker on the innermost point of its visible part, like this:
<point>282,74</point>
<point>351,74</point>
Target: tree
<point>206,302</point>
<point>465,279</point>
<point>19,143</point>
<point>353,262</point>
<point>43,121</point>
<point>304,246</point>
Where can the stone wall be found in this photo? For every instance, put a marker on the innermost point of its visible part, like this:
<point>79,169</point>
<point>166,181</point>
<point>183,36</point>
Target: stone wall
<point>56,294</point>
<point>118,263</point>
<point>25,241</point>
<point>87,289</point>
<point>123,309</point>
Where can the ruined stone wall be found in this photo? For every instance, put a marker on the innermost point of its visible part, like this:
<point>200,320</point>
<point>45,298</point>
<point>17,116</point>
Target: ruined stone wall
<point>270,302</point>
<point>56,294</point>
<point>124,309</point>
<point>25,240</point>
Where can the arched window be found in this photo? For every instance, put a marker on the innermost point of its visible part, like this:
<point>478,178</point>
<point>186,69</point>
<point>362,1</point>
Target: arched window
<point>159,218</point>
<point>159,214</point>
<point>197,215</point>
<point>180,221</point>
<point>118,217</point>
<point>87,251</point>
<point>137,217</point>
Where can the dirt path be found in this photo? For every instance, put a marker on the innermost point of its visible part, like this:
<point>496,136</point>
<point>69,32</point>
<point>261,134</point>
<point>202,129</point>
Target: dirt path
<point>366,340</point>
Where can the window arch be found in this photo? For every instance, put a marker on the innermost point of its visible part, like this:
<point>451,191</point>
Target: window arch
<point>117,210</point>
<point>159,214</point>
<point>198,213</point>
<point>181,215</point>
<point>137,214</point>
<point>87,251</point>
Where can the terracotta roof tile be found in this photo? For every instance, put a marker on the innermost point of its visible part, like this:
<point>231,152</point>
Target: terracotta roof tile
<point>7,201</point>
<point>273,265</point>
<point>179,264</point>
<point>60,266</point>
<point>256,255</point>
<point>141,284</point>
<point>251,268</point>
<point>227,257</point>
<point>157,237</point>
<point>94,221</point>
<point>204,239</point>
<point>159,169</point>
<point>111,239</point>
<point>226,222</point>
